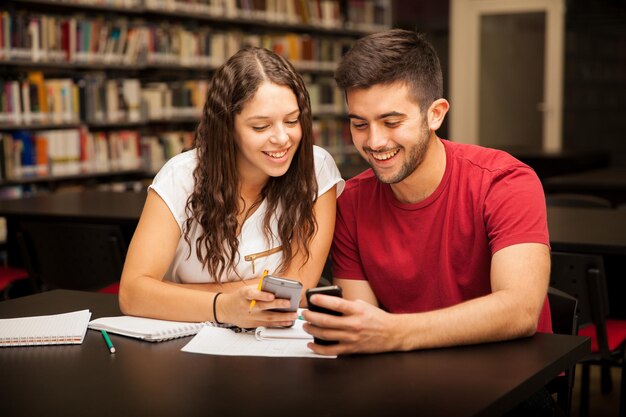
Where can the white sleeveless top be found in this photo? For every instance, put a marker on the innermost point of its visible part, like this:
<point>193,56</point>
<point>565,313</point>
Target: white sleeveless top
<point>174,183</point>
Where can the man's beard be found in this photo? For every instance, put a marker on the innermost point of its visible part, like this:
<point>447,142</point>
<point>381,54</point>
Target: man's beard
<point>415,156</point>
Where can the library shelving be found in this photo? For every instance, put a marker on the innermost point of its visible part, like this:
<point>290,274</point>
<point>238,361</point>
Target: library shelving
<point>99,90</point>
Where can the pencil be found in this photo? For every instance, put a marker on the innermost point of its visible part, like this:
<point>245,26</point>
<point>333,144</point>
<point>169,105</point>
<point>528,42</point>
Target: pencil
<point>253,302</point>
<point>108,341</point>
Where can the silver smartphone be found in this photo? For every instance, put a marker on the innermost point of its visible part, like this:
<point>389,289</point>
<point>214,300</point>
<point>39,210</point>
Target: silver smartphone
<point>283,288</point>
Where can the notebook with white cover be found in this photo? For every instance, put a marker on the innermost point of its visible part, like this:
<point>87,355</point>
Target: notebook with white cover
<point>280,333</point>
<point>56,329</point>
<point>152,330</point>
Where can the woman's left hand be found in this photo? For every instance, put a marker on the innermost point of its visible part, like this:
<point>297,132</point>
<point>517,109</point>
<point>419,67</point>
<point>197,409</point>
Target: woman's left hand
<point>234,308</point>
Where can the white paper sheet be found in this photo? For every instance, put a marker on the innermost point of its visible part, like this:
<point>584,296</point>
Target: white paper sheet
<point>218,341</point>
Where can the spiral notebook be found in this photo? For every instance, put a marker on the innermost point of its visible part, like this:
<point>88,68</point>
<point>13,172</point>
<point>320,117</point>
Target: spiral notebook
<point>57,329</point>
<point>281,333</point>
<point>151,330</point>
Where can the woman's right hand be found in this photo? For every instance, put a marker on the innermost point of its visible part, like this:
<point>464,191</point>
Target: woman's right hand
<point>234,308</point>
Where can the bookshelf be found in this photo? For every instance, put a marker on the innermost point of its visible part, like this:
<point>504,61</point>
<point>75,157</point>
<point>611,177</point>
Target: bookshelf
<point>93,91</point>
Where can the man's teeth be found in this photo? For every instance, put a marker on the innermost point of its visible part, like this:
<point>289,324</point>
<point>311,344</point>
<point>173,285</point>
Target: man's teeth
<point>382,156</point>
<point>276,154</point>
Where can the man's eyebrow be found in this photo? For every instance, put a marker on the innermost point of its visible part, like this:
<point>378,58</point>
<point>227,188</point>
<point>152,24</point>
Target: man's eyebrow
<point>390,114</point>
<point>379,117</point>
<point>267,117</point>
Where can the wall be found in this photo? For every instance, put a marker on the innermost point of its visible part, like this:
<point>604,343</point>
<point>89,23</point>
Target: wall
<point>594,107</point>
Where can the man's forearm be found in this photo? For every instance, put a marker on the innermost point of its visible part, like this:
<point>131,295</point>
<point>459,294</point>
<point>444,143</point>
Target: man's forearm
<point>498,316</point>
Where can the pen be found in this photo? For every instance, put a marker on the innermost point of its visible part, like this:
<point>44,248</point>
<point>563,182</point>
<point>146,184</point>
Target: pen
<point>108,341</point>
<point>253,302</point>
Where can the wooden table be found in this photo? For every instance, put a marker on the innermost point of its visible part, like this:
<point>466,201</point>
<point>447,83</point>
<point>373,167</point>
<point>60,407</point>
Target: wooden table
<point>157,379</point>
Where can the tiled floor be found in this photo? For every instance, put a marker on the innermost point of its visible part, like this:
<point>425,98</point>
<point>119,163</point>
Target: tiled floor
<point>599,405</point>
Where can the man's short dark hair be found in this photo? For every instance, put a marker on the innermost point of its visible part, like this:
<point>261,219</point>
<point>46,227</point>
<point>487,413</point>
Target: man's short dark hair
<point>394,56</point>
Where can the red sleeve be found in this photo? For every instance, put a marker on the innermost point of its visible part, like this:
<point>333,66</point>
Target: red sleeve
<point>515,209</point>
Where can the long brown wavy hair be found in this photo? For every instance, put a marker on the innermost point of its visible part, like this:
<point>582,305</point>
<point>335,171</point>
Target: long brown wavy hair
<point>214,203</point>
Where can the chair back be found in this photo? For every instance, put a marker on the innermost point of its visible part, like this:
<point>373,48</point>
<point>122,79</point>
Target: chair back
<point>78,256</point>
<point>563,309</point>
<point>582,276</point>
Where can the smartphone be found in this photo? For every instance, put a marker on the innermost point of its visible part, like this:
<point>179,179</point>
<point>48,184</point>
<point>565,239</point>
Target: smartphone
<point>333,290</point>
<point>283,288</point>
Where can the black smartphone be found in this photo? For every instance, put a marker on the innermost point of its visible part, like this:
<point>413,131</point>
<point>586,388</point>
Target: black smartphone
<point>333,290</point>
<point>283,288</point>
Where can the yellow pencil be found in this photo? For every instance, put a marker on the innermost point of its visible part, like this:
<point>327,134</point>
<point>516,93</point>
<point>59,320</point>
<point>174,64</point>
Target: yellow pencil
<point>253,302</point>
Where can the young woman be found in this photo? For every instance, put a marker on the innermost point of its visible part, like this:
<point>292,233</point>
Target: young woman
<point>254,194</point>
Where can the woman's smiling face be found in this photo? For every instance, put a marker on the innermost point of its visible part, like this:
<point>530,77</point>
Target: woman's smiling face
<point>267,132</point>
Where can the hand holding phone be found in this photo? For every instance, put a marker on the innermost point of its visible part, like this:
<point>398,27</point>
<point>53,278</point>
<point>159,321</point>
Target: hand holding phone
<point>333,290</point>
<point>283,288</point>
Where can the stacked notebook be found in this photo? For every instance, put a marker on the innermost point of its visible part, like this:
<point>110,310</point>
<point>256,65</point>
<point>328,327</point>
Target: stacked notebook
<point>57,329</point>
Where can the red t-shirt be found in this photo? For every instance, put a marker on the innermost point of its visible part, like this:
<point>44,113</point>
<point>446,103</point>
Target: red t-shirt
<point>437,253</point>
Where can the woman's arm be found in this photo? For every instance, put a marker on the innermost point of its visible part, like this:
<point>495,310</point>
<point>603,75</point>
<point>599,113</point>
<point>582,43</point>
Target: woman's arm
<point>309,272</point>
<point>143,292</point>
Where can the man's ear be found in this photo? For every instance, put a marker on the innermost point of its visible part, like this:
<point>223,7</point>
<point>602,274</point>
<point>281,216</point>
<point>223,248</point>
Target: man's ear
<point>437,112</point>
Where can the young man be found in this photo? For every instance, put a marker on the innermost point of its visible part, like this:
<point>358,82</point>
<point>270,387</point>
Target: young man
<point>439,243</point>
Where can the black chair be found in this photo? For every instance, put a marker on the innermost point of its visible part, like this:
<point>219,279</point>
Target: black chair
<point>563,309</point>
<point>76,256</point>
<point>582,276</point>
<point>577,200</point>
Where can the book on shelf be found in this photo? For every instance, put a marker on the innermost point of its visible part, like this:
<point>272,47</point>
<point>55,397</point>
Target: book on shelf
<point>57,329</point>
<point>205,7</point>
<point>325,97</point>
<point>368,15</point>
<point>122,100</point>
<point>124,150</point>
<point>157,149</point>
<point>334,136</point>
